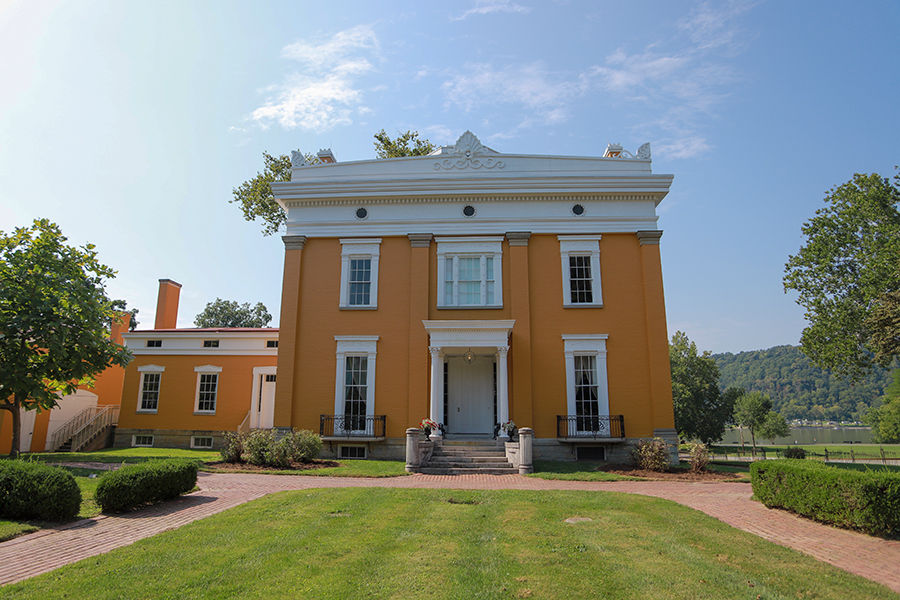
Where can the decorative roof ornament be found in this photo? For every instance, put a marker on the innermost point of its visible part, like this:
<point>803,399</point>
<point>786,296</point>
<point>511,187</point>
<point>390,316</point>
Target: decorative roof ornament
<point>297,159</point>
<point>467,152</point>
<point>616,151</point>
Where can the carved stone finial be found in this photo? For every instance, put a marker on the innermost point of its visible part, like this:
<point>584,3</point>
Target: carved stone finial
<point>468,152</point>
<point>297,159</point>
<point>644,151</point>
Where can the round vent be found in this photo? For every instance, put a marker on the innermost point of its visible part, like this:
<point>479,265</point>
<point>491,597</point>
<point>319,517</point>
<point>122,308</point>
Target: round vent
<point>578,210</point>
<point>362,213</point>
<point>469,211</point>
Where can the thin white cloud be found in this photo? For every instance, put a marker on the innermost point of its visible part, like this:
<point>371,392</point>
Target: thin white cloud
<point>710,24</point>
<point>533,86</point>
<point>325,92</point>
<point>484,7</point>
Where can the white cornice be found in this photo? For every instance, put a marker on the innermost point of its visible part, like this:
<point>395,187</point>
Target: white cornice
<point>204,351</point>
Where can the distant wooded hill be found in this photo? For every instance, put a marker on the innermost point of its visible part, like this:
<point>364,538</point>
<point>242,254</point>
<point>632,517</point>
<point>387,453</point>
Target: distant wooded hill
<point>798,389</point>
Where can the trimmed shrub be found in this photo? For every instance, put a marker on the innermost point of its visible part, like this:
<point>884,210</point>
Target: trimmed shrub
<point>264,448</point>
<point>258,446</point>
<point>154,481</point>
<point>651,455</point>
<point>864,500</point>
<point>794,452</point>
<point>33,490</point>
<point>699,457</point>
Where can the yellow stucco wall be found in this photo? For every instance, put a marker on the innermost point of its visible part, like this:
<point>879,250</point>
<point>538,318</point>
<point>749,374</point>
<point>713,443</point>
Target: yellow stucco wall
<point>178,389</point>
<point>633,316</point>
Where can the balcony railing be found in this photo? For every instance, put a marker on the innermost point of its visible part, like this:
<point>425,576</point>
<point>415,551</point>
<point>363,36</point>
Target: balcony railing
<point>591,427</point>
<point>352,426</point>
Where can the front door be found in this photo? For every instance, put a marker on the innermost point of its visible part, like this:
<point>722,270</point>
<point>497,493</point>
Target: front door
<point>470,395</point>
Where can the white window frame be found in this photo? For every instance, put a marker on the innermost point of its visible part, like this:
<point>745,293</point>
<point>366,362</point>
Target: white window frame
<point>369,248</point>
<point>465,247</point>
<point>194,439</point>
<point>355,345</point>
<point>134,443</point>
<point>206,370</point>
<point>143,370</point>
<point>581,245</point>
<point>587,345</point>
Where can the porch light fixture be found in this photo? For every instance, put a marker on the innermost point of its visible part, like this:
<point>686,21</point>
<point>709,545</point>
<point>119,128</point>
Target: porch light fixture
<point>469,356</point>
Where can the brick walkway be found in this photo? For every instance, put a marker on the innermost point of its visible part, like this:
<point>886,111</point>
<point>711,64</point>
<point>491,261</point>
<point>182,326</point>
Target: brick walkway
<point>42,551</point>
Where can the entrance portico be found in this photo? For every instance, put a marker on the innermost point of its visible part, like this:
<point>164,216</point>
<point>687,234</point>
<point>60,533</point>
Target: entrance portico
<point>469,348</point>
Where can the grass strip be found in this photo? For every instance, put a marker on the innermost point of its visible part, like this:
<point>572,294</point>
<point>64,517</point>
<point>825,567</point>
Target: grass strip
<point>390,543</point>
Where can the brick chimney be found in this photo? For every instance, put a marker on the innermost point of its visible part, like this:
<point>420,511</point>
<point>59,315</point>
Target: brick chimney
<point>167,304</point>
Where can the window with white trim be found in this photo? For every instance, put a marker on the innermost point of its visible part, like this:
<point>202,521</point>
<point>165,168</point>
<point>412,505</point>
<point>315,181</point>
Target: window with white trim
<point>142,441</point>
<point>470,272</point>
<point>148,396</point>
<point>359,273</point>
<point>580,270</point>
<point>207,389</point>
<point>354,398</point>
<point>205,441</point>
<point>587,394</point>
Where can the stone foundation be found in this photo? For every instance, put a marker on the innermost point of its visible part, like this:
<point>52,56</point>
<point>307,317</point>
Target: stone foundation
<point>167,438</point>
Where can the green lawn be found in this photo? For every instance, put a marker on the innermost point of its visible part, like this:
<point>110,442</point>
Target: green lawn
<point>347,468</point>
<point>575,471</point>
<point>383,543</point>
<point>123,455</point>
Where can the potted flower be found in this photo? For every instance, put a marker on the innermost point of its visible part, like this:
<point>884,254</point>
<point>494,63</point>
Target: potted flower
<point>510,428</point>
<point>428,425</point>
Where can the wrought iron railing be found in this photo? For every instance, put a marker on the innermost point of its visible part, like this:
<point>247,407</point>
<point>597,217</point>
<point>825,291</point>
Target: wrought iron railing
<point>84,427</point>
<point>350,426</point>
<point>594,426</point>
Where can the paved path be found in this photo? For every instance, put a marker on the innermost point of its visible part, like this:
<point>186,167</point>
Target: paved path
<point>42,551</point>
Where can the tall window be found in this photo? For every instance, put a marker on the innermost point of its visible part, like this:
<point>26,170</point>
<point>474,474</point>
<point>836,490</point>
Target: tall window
<point>148,396</point>
<point>587,395</point>
<point>150,391</point>
<point>354,398</point>
<point>355,392</point>
<point>469,270</point>
<point>359,273</point>
<point>580,270</point>
<point>207,388</point>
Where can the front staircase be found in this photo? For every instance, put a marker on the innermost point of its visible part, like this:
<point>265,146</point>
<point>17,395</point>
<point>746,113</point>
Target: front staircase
<point>468,458</point>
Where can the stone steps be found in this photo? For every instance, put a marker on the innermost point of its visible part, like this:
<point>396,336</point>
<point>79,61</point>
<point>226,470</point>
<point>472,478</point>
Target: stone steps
<point>468,458</point>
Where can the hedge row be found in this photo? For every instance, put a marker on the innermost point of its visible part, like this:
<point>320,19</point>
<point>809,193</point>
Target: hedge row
<point>32,490</point>
<point>864,500</point>
<point>154,481</point>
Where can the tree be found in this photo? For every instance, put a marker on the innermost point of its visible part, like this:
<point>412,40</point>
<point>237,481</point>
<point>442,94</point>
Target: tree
<point>846,270</point>
<point>884,323</point>
<point>257,201</point>
<point>774,426</point>
<point>55,320</point>
<point>701,409</point>
<point>750,411</point>
<point>885,420</point>
<point>228,313</point>
<point>385,147</point>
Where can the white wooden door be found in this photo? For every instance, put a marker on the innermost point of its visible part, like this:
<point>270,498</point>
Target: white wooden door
<point>470,395</point>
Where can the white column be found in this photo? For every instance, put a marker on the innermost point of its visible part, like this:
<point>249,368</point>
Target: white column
<point>502,388</point>
<point>437,386</point>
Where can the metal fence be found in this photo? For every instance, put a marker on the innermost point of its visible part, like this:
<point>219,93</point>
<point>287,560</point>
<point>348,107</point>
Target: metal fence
<point>593,426</point>
<point>350,426</point>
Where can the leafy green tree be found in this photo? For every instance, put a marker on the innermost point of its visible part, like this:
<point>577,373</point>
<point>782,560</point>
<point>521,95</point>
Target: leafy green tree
<point>228,313</point>
<point>257,201</point>
<point>701,409</point>
<point>885,420</point>
<point>884,323</point>
<point>847,266</point>
<point>406,144</point>
<point>774,426</point>
<point>55,320</point>
<point>750,411</point>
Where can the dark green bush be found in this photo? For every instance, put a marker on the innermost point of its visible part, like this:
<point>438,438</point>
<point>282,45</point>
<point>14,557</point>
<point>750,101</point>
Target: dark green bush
<point>32,490</point>
<point>794,452</point>
<point>154,481</point>
<point>305,446</point>
<point>864,500</point>
<point>265,448</point>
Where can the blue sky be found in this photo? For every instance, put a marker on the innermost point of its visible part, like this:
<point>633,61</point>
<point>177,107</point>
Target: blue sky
<point>128,123</point>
